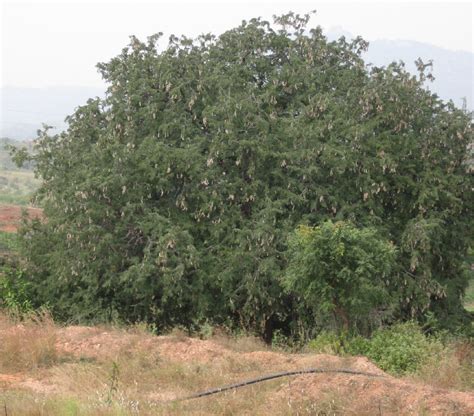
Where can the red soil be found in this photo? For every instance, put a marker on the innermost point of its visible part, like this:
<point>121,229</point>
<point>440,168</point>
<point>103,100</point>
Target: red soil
<point>10,216</point>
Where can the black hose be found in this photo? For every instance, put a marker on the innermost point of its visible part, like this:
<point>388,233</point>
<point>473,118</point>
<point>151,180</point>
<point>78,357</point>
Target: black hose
<point>273,376</point>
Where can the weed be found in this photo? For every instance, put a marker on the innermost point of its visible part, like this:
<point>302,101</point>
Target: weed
<point>113,382</point>
<point>451,367</point>
<point>238,342</point>
<point>28,345</point>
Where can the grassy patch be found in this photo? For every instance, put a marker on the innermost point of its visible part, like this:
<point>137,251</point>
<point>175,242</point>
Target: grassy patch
<point>17,187</point>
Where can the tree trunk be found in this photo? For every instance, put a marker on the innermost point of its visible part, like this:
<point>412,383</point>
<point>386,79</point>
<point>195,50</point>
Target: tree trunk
<point>341,315</point>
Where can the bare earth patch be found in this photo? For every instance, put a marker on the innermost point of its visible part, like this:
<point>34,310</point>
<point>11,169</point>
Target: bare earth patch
<point>10,216</point>
<point>107,371</point>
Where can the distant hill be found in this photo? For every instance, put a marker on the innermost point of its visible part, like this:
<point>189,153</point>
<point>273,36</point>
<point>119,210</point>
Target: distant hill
<point>453,70</point>
<point>23,110</point>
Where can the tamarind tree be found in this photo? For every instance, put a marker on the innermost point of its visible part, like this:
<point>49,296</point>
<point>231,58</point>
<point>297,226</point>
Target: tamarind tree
<point>171,200</point>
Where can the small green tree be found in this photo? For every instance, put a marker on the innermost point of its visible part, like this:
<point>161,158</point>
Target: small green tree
<point>340,269</point>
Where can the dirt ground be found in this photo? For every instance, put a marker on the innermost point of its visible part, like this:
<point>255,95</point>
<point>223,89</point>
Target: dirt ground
<point>145,373</point>
<point>10,216</point>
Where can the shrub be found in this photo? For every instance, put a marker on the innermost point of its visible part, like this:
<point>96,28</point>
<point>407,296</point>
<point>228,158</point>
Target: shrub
<point>405,349</point>
<point>8,243</point>
<point>357,345</point>
<point>402,348</point>
<point>327,342</point>
<point>14,290</point>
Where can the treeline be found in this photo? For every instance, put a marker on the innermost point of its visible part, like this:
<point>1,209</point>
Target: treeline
<point>174,199</point>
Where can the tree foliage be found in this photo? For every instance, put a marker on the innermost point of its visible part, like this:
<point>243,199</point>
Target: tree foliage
<point>341,269</point>
<point>172,199</point>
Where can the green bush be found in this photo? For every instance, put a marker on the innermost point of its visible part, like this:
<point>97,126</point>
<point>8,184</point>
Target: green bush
<point>8,242</point>
<point>402,348</point>
<point>357,345</point>
<point>14,290</point>
<point>327,342</point>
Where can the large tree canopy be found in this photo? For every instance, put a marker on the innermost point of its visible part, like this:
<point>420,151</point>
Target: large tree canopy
<point>172,199</point>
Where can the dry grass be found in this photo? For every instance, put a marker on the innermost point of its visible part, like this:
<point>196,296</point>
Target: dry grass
<point>239,343</point>
<point>131,372</point>
<point>133,379</point>
<point>27,344</point>
<point>452,368</point>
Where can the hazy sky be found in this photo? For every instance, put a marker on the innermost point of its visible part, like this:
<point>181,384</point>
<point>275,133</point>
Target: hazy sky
<point>59,43</point>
